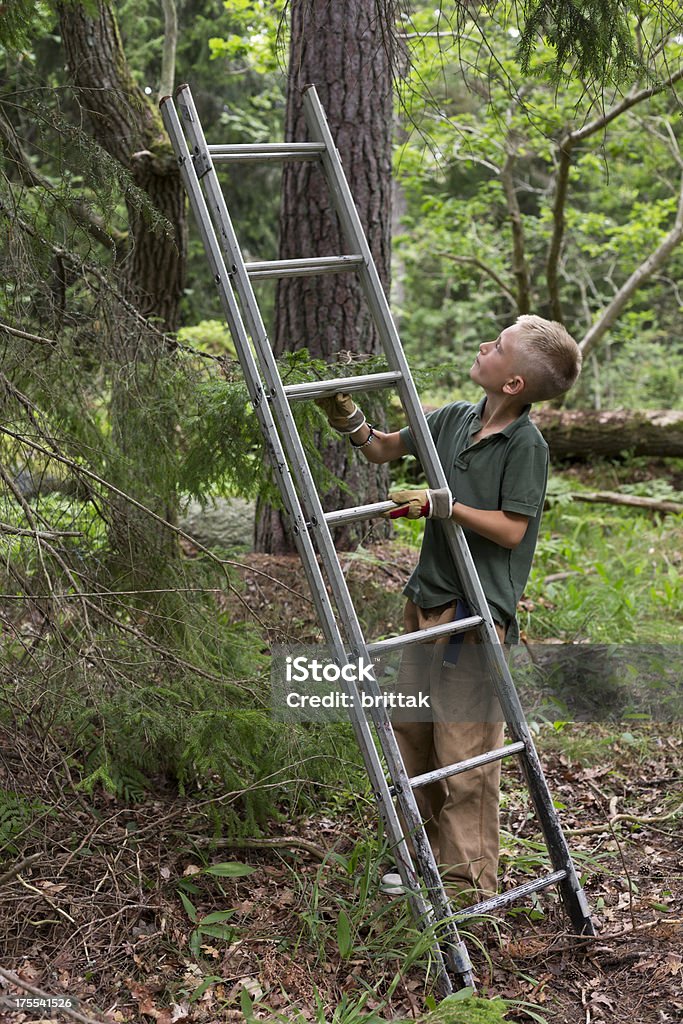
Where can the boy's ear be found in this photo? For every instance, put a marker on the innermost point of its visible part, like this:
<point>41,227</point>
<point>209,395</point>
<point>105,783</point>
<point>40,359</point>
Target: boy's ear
<point>514,386</point>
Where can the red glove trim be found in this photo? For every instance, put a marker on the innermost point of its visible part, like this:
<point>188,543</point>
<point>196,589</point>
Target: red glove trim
<point>402,512</point>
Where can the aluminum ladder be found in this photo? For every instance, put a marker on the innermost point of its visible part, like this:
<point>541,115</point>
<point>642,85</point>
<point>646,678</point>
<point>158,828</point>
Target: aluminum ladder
<point>271,400</point>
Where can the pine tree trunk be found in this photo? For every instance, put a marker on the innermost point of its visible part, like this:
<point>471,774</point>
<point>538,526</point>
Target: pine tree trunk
<point>149,275</point>
<point>339,48</point>
<point>129,127</point>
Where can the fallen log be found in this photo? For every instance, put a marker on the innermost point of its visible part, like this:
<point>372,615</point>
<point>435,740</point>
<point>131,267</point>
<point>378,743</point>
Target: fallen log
<point>583,434</point>
<point>634,500</point>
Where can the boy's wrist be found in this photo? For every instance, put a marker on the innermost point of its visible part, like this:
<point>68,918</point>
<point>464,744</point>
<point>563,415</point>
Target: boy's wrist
<point>359,441</point>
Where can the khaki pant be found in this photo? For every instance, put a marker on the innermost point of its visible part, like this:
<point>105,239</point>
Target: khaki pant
<point>460,812</point>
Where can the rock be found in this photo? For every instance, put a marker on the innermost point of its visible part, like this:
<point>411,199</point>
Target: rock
<point>224,523</point>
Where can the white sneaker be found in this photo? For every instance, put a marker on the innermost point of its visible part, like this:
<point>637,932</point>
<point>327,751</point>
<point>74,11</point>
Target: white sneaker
<point>392,884</point>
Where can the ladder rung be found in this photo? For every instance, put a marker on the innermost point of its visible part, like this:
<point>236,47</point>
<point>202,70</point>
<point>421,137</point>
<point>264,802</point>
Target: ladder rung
<point>302,268</point>
<point>464,766</point>
<point>495,902</point>
<point>246,153</point>
<point>355,515</point>
<point>394,643</point>
<point>345,385</point>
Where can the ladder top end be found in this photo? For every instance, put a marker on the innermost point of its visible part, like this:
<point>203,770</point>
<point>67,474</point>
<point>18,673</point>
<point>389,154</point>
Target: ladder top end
<point>181,88</point>
<point>164,99</point>
<point>306,88</point>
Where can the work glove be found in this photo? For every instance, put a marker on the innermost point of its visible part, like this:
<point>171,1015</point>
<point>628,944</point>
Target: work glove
<point>342,413</point>
<point>432,504</point>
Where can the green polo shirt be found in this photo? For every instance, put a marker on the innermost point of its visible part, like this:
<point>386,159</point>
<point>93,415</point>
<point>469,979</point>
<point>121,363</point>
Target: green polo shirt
<point>507,470</point>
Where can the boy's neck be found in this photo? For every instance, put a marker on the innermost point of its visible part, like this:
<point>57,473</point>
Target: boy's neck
<point>500,410</point>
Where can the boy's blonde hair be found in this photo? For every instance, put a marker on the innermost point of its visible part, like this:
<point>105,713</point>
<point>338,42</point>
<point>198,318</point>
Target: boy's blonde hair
<point>551,359</point>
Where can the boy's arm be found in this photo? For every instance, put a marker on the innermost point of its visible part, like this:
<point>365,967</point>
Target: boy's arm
<point>501,527</point>
<point>504,528</point>
<point>382,447</point>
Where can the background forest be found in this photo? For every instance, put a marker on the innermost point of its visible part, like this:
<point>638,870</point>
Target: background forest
<point>526,158</point>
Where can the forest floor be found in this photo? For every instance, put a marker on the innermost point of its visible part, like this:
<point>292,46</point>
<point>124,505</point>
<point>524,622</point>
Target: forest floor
<point>108,901</point>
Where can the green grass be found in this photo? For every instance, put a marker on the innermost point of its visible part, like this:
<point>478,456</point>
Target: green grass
<point>624,583</point>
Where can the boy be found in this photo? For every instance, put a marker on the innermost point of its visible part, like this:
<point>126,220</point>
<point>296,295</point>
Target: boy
<point>496,464</point>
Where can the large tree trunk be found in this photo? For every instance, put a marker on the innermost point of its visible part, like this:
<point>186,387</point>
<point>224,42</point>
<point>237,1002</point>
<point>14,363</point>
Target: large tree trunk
<point>150,276</point>
<point>574,434</point>
<point>129,127</point>
<point>340,48</point>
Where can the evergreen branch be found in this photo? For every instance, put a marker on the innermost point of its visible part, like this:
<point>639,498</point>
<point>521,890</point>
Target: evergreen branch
<point>79,469</point>
<point>222,562</point>
<point>83,267</point>
<point>78,209</point>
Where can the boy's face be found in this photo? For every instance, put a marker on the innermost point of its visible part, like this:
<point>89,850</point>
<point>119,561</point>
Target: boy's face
<point>497,363</point>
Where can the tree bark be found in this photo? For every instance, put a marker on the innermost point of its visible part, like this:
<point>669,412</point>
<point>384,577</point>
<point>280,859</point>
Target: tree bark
<point>151,271</point>
<point>340,48</point>
<point>574,434</point>
<point>128,126</point>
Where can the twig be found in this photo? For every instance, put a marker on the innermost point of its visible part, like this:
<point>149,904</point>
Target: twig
<point>8,875</point>
<point>15,980</point>
<point>280,842</point>
<point>44,896</point>
<point>28,337</point>
<point>473,261</point>
<point>558,577</point>
<point>624,865</point>
<point>590,830</point>
<point>603,936</point>
<point>39,534</point>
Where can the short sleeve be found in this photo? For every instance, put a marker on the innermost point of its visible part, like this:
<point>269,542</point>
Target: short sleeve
<point>435,421</point>
<point>525,478</point>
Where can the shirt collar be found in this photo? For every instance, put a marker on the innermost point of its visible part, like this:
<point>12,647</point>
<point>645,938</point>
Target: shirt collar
<point>509,430</point>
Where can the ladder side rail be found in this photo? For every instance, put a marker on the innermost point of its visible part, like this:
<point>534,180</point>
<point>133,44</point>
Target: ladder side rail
<point>572,892</point>
<point>254,385</point>
<point>275,391</point>
<point>249,367</point>
<point>451,945</point>
<point>423,912</point>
